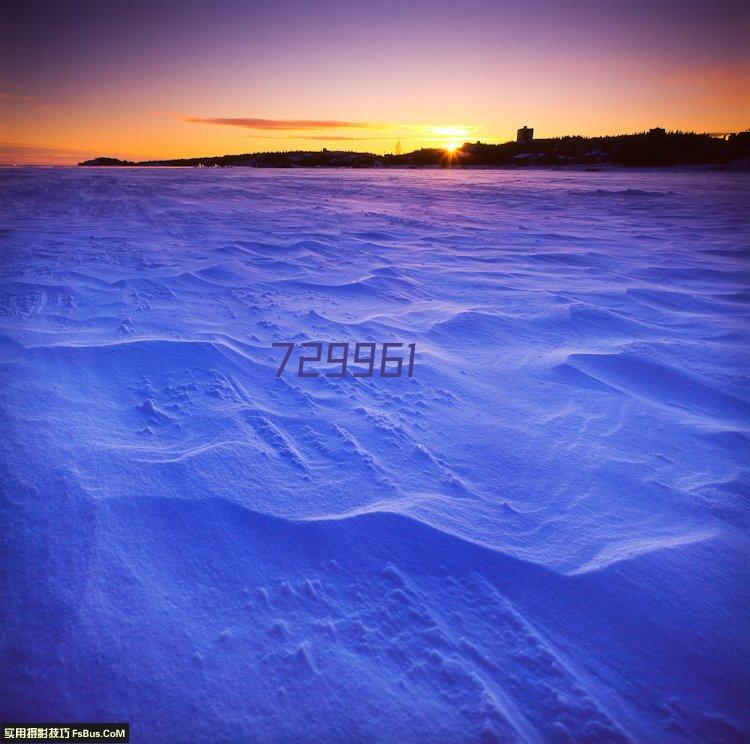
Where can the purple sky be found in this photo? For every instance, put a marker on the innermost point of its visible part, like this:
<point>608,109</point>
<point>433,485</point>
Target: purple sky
<point>142,79</point>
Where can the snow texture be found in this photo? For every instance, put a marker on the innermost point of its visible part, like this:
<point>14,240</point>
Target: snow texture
<point>540,537</point>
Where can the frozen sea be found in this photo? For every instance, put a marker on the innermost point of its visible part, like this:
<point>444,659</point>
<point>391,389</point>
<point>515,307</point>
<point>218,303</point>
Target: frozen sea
<point>540,536</point>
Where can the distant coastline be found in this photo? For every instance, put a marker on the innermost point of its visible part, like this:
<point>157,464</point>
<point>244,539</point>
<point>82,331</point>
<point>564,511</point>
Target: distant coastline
<point>655,148</point>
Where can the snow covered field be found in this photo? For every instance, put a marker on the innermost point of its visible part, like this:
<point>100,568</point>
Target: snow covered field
<point>540,536</point>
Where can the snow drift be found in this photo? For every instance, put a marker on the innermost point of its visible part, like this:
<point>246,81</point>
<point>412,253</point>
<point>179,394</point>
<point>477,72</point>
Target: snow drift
<point>541,536</point>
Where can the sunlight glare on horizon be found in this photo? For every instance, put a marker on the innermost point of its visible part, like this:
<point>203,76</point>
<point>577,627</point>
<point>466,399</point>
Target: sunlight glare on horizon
<point>452,131</point>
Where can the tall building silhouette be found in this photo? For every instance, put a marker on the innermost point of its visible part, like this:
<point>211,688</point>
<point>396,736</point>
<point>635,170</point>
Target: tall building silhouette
<point>525,134</point>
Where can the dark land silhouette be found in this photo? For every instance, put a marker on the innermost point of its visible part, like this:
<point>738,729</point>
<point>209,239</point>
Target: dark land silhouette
<point>655,148</point>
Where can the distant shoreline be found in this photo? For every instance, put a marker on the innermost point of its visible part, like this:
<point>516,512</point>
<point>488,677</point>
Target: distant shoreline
<point>655,148</point>
<point>736,166</point>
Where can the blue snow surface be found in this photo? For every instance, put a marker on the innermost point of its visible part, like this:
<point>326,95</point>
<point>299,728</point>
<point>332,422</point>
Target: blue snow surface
<point>541,536</point>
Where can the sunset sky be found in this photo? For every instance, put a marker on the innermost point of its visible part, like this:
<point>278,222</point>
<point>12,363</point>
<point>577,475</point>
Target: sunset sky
<point>156,79</point>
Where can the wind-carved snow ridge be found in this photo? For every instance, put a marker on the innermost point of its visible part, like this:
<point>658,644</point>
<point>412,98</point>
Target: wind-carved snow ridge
<point>541,536</point>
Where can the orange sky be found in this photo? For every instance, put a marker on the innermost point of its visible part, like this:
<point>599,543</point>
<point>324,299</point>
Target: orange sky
<point>141,80</point>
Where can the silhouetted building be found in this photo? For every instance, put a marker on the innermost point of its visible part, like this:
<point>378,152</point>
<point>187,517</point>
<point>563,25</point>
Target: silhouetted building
<point>525,134</point>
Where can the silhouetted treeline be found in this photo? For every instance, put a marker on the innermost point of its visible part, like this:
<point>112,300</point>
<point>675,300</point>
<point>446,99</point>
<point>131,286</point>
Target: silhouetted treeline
<point>654,148</point>
<point>315,159</point>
